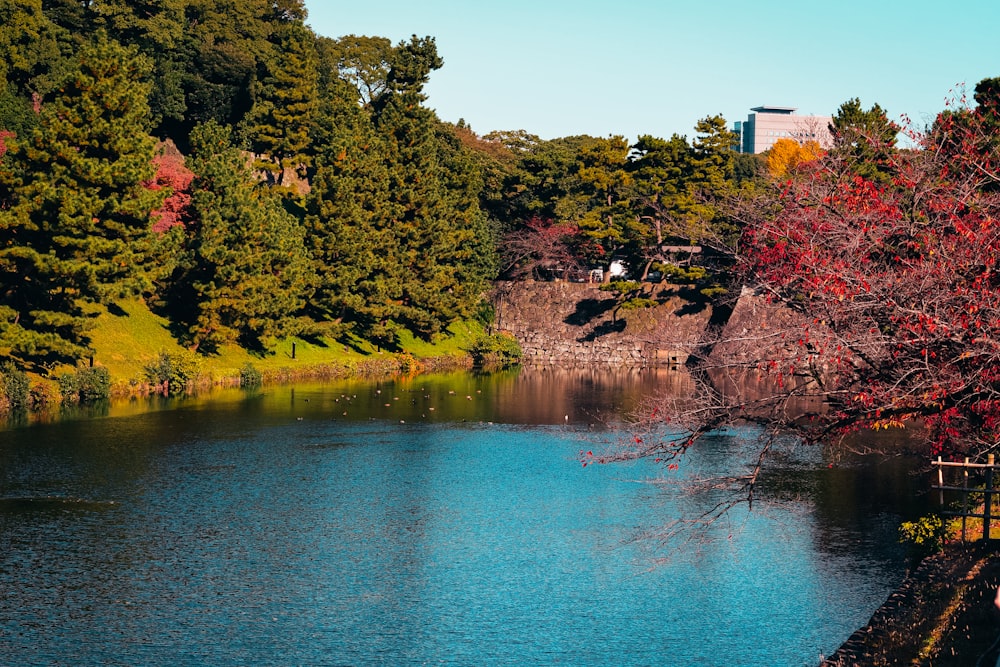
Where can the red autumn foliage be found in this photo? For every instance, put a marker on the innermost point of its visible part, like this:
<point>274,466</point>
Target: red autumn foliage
<point>171,174</point>
<point>540,246</point>
<point>4,135</point>
<point>898,285</point>
<point>892,290</point>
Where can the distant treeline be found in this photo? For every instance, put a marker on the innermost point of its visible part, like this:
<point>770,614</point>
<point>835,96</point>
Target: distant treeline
<point>251,179</point>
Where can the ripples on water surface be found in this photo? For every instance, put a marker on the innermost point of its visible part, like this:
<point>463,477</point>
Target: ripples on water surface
<point>277,530</point>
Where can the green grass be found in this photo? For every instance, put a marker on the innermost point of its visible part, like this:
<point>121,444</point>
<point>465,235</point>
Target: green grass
<point>456,341</point>
<point>126,340</point>
<point>126,343</point>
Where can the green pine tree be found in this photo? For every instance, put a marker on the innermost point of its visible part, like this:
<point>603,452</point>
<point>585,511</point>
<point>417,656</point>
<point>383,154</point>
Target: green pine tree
<point>244,273</point>
<point>285,105</point>
<point>80,203</point>
<point>393,218</point>
<point>348,235</point>
<point>865,139</point>
<point>432,207</point>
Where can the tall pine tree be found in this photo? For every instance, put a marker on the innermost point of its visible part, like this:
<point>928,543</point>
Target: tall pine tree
<point>244,274</point>
<point>433,207</point>
<point>285,104</point>
<point>394,220</point>
<point>865,138</point>
<point>80,203</point>
<point>348,234</point>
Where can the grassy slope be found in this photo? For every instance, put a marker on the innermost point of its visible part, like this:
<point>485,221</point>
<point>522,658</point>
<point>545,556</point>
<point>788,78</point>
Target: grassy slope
<point>126,342</point>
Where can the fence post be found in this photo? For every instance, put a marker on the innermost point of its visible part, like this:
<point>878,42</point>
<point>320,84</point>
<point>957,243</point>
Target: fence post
<point>988,505</point>
<point>940,482</point>
<point>965,497</point>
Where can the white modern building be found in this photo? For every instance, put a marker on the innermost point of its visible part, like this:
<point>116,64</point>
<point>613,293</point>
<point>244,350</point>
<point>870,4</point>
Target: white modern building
<point>767,124</point>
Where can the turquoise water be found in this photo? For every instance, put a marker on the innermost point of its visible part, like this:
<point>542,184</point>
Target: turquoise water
<point>278,531</point>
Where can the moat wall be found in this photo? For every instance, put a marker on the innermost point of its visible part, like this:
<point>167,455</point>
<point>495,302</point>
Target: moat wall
<point>565,323</point>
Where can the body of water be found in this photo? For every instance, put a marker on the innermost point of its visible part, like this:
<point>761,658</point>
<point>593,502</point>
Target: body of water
<point>436,520</point>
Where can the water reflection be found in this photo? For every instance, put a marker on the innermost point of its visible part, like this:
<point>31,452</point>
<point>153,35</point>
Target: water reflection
<point>541,395</point>
<point>426,519</point>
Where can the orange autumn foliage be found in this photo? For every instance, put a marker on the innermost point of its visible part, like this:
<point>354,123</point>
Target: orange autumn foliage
<point>787,154</point>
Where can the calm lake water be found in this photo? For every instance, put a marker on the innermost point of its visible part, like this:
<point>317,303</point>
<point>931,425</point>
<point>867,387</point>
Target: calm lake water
<point>435,520</point>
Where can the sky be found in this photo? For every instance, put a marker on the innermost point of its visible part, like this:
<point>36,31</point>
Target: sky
<point>559,68</point>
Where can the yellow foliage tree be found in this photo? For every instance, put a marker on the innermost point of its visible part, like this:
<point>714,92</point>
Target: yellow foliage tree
<point>787,154</point>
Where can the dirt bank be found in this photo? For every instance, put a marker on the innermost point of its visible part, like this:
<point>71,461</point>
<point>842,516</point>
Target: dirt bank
<point>941,616</point>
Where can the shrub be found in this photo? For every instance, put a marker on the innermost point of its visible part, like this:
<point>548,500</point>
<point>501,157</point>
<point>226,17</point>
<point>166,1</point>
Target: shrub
<point>95,383</point>
<point>85,385</point>
<point>926,535</point>
<point>250,376</point>
<point>170,371</point>
<point>42,395</point>
<point>499,350</point>
<point>68,388</point>
<point>14,388</point>
<point>408,364</point>
<point>679,274</point>
<point>713,291</point>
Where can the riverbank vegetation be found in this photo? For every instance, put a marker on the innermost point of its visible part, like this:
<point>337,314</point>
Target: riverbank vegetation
<point>135,354</point>
<point>228,186</point>
<point>196,194</point>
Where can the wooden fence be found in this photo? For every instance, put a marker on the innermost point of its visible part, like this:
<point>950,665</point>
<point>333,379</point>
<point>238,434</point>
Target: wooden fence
<point>967,490</point>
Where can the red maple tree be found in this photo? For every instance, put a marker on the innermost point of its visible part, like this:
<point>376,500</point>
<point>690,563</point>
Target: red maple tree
<point>173,175</point>
<point>898,285</point>
<point>891,299</point>
<point>540,247</point>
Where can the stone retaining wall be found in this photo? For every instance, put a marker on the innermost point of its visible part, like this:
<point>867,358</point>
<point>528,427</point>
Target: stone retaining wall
<point>565,323</point>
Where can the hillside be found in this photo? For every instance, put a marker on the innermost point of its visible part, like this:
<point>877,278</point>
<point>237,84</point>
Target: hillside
<point>128,337</point>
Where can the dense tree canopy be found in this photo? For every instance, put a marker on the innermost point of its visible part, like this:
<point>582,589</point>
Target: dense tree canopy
<point>286,100</point>
<point>362,62</point>
<point>621,202</point>
<point>347,221</point>
<point>89,209</point>
<point>388,218</point>
<point>402,213</point>
<point>394,207</point>
<point>29,43</point>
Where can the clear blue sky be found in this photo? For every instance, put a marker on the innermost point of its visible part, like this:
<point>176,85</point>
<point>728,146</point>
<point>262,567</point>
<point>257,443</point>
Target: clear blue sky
<point>601,67</point>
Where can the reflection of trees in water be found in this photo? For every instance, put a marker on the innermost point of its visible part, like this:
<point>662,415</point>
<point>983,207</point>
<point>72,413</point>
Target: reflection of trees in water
<point>592,394</point>
<point>547,394</point>
<point>798,396</point>
<point>759,390</point>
